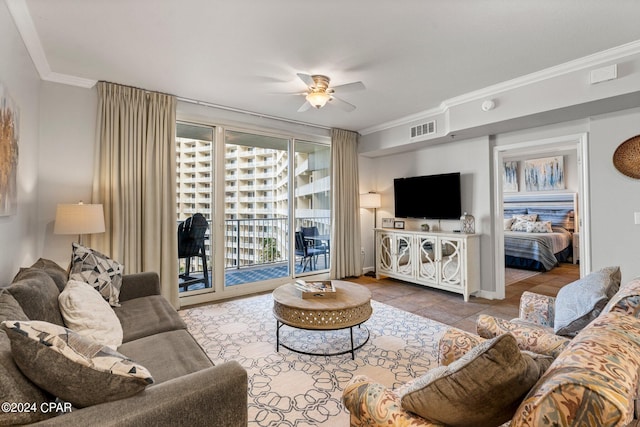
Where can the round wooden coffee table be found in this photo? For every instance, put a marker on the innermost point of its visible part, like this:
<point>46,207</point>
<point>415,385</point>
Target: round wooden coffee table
<point>350,307</point>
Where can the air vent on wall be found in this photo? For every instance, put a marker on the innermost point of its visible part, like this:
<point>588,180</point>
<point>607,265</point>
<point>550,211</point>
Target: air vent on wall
<point>423,129</point>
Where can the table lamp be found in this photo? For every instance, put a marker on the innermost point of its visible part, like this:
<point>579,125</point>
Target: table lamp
<point>79,219</point>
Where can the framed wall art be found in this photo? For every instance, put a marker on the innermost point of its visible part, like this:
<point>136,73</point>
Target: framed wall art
<point>8,153</point>
<point>398,225</point>
<point>510,177</point>
<point>544,174</point>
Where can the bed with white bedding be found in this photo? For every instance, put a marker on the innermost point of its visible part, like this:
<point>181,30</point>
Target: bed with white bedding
<point>544,239</point>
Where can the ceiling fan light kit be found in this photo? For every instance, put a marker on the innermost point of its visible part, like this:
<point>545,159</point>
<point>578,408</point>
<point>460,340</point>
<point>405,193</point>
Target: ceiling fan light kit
<point>319,93</point>
<point>318,99</point>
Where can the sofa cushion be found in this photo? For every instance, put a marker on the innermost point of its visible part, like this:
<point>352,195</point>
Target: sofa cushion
<point>37,294</point>
<point>594,380</point>
<point>167,355</point>
<point>626,300</point>
<point>57,273</point>
<point>579,302</point>
<point>454,344</point>
<point>72,367</point>
<point>141,317</point>
<point>9,307</point>
<point>98,270</point>
<point>483,388</point>
<point>87,313</point>
<point>530,337</point>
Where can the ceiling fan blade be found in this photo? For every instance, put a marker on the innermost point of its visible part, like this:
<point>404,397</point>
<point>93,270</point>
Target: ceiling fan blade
<point>306,78</point>
<point>349,87</point>
<point>304,107</point>
<point>342,104</point>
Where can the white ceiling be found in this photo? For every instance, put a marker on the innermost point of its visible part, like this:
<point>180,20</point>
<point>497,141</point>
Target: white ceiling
<point>410,54</point>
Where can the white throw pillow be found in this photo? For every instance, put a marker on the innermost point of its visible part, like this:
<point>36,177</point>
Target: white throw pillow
<point>539,227</point>
<point>87,313</point>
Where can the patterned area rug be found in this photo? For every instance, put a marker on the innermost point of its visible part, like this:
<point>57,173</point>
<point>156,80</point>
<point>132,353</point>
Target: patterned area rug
<point>290,389</point>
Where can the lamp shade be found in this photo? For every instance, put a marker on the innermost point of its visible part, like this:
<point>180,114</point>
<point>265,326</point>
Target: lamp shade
<point>79,219</point>
<point>318,99</point>
<point>370,200</point>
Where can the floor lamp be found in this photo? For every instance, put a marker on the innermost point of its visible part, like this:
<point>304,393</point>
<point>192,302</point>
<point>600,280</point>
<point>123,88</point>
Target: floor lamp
<point>372,200</point>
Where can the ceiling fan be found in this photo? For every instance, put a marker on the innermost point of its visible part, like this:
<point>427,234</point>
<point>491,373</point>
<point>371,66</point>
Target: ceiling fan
<point>319,93</point>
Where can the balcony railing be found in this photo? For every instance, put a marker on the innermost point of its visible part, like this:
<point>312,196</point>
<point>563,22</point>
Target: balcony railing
<point>256,242</point>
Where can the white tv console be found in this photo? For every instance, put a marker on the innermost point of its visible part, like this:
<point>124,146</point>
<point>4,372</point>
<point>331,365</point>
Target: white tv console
<point>448,261</point>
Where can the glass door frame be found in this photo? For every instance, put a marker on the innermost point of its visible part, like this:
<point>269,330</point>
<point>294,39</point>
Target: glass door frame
<point>217,242</point>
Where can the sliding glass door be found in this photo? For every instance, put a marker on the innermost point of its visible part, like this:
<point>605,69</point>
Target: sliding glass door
<point>194,198</point>
<point>256,209</point>
<point>266,200</point>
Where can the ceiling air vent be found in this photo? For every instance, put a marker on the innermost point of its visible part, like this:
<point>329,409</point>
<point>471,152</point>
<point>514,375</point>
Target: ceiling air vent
<point>423,129</point>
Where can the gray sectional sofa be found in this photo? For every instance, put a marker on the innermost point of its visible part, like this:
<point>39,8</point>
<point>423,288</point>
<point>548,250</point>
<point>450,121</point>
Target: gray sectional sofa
<point>187,390</point>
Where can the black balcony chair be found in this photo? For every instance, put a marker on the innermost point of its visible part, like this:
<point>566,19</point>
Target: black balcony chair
<point>322,246</point>
<point>191,237</point>
<point>307,253</point>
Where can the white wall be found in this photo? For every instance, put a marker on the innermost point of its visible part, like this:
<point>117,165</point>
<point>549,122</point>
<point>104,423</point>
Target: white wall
<point>18,233</point>
<point>66,165</point>
<point>614,197</point>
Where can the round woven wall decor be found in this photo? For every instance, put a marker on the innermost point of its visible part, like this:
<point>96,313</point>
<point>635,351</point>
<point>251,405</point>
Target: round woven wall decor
<point>627,157</point>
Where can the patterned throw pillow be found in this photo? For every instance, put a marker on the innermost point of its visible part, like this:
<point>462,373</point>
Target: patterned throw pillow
<point>488,382</point>
<point>529,217</point>
<point>539,227</point>
<point>98,270</point>
<point>520,225</point>
<point>71,367</point>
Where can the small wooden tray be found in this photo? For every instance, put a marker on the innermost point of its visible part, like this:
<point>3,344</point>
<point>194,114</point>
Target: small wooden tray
<point>307,290</point>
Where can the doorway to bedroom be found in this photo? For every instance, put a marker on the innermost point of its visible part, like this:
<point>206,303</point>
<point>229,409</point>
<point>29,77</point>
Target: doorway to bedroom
<point>529,249</point>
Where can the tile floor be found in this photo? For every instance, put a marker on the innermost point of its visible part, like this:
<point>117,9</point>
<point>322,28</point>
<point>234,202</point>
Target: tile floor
<point>450,308</point>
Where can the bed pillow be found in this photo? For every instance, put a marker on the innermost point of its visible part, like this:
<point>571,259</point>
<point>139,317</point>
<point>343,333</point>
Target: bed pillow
<point>528,217</point>
<point>508,222</point>
<point>98,270</point>
<point>72,367</point>
<point>520,225</point>
<point>87,313</point>
<point>558,217</point>
<point>539,227</point>
<point>488,382</point>
<point>579,302</point>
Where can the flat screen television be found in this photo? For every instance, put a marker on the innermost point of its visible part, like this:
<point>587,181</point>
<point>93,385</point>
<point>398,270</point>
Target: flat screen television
<point>429,196</point>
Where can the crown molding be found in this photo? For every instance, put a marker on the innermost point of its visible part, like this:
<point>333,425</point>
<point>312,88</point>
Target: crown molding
<point>27,29</point>
<point>596,59</point>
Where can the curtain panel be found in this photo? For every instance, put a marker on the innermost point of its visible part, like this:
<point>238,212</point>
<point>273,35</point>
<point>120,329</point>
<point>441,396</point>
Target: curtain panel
<point>135,180</point>
<point>346,259</point>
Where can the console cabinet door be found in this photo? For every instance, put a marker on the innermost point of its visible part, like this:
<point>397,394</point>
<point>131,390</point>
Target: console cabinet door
<point>450,261</point>
<point>427,259</point>
<point>394,254</point>
<point>385,256</point>
<point>403,255</point>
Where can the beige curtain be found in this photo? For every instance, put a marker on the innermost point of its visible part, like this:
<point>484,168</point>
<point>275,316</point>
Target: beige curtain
<point>346,260</point>
<point>135,180</point>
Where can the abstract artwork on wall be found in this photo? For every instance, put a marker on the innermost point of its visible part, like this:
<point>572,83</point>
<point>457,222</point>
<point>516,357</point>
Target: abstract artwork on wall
<point>510,177</point>
<point>544,174</point>
<point>8,153</point>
